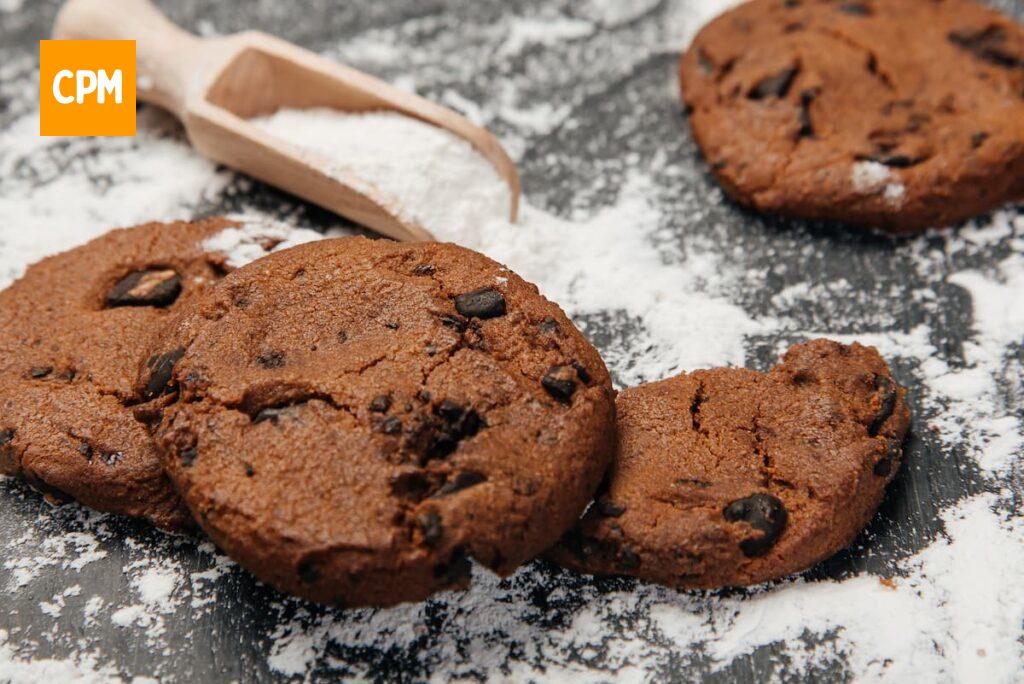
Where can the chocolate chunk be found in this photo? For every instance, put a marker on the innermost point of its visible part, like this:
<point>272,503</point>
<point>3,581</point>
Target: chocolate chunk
<point>270,359</point>
<point>609,509</point>
<point>806,129</point>
<point>463,480</point>
<point>249,470</point>
<point>424,270</point>
<point>483,303</point>
<point>381,404</point>
<point>6,436</point>
<point>430,525</point>
<point>887,394</point>
<point>989,45</point>
<point>776,85</point>
<point>449,410</point>
<point>469,425</point>
<point>461,422</point>
<point>458,424</point>
<point>581,372</point>
<point>441,445</point>
<point>857,9</point>
<point>188,456</point>
<point>40,372</point>
<point>413,485</point>
<point>149,287</point>
<point>898,161</point>
<point>308,571</point>
<point>392,325</point>
<point>765,513</point>
<point>978,139</point>
<point>391,426</point>
<point>559,383</point>
<point>162,372</point>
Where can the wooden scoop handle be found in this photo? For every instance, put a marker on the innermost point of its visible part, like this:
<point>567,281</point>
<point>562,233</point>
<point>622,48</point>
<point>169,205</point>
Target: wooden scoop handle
<point>166,55</point>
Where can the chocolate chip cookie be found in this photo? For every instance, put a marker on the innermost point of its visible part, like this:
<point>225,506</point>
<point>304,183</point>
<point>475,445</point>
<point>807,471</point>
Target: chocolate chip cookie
<point>354,420</point>
<point>897,114</point>
<point>72,330</point>
<point>729,477</point>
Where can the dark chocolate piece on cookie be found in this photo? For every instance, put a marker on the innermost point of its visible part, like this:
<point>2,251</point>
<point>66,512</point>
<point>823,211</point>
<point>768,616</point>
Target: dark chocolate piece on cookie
<point>560,383</point>
<point>776,85</point>
<point>763,512</point>
<point>486,302</point>
<point>149,287</point>
<point>729,477</point>
<point>161,370</point>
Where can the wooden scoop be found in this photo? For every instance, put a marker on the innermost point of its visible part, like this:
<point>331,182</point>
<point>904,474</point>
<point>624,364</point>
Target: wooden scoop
<point>215,85</point>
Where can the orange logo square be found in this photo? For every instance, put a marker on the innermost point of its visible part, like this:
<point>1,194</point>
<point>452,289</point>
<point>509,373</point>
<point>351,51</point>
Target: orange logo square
<point>87,87</point>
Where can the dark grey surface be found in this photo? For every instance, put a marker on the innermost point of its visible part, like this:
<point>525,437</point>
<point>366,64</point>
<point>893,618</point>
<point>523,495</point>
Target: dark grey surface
<point>602,77</point>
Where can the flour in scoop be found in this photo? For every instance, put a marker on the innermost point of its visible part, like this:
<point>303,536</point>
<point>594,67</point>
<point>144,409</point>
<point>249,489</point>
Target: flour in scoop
<point>433,177</point>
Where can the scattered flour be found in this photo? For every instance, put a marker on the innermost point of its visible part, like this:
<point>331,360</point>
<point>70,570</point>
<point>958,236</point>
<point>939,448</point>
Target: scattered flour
<point>616,12</point>
<point>84,669</point>
<point>156,586</point>
<point>256,237</point>
<point>869,177</point>
<point>543,30</point>
<point>948,610</point>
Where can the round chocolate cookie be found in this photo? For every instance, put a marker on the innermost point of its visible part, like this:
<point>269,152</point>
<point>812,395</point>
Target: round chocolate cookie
<point>896,114</point>
<point>730,477</point>
<point>72,331</point>
<point>353,420</point>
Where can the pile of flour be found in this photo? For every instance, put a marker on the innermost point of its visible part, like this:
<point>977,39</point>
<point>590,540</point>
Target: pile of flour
<point>425,173</point>
<point>642,244</point>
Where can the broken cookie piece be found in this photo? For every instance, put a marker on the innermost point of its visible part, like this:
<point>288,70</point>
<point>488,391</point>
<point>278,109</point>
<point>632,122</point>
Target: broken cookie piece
<point>730,477</point>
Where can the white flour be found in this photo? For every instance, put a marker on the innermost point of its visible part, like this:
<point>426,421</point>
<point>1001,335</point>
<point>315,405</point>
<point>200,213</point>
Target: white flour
<point>870,177</point>
<point>431,175</point>
<point>951,608</point>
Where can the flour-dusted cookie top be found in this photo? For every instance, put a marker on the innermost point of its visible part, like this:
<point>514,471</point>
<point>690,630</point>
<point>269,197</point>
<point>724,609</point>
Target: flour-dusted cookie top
<point>355,419</point>
<point>72,331</point>
<point>899,114</point>
<point>730,477</point>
